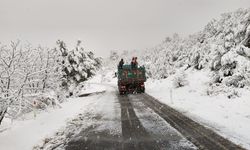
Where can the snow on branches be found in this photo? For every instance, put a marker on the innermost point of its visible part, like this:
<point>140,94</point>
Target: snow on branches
<point>33,78</point>
<point>76,65</point>
<point>222,47</point>
<point>24,72</point>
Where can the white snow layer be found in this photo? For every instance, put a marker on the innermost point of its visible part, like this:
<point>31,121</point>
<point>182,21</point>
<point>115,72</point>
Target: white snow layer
<point>228,117</point>
<point>24,134</point>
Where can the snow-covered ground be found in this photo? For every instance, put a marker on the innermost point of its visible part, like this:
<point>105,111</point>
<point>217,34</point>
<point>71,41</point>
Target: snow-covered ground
<point>228,117</point>
<point>208,105</point>
<point>29,130</point>
<point>103,115</point>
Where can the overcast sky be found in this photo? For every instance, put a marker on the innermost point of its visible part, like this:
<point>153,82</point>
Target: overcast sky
<point>105,25</point>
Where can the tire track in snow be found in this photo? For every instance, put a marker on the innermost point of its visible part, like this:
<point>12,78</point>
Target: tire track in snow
<point>199,135</point>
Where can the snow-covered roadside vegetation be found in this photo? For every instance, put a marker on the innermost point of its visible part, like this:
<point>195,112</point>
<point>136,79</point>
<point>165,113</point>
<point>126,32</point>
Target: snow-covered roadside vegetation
<point>34,78</point>
<point>205,75</point>
<point>222,47</point>
<point>24,134</point>
<point>50,127</point>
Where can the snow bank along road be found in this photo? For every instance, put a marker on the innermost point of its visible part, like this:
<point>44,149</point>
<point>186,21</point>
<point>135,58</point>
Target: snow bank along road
<point>145,124</point>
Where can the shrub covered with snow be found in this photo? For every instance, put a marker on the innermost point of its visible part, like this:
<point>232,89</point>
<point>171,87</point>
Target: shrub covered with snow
<point>76,65</point>
<point>180,79</point>
<point>29,74</point>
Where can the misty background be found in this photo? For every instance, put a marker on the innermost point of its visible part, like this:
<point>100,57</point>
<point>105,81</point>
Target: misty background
<point>107,25</point>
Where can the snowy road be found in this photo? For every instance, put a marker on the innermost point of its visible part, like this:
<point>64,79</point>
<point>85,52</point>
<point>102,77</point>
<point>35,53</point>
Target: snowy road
<point>140,128</point>
<point>134,122</point>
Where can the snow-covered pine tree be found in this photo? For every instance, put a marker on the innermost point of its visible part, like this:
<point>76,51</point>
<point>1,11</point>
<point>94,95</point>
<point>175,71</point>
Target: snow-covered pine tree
<point>77,65</point>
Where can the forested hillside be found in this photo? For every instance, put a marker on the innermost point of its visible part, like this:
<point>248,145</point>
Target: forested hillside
<point>222,47</point>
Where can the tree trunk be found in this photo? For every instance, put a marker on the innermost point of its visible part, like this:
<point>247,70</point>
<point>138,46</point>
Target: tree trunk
<point>2,114</point>
<point>246,41</point>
